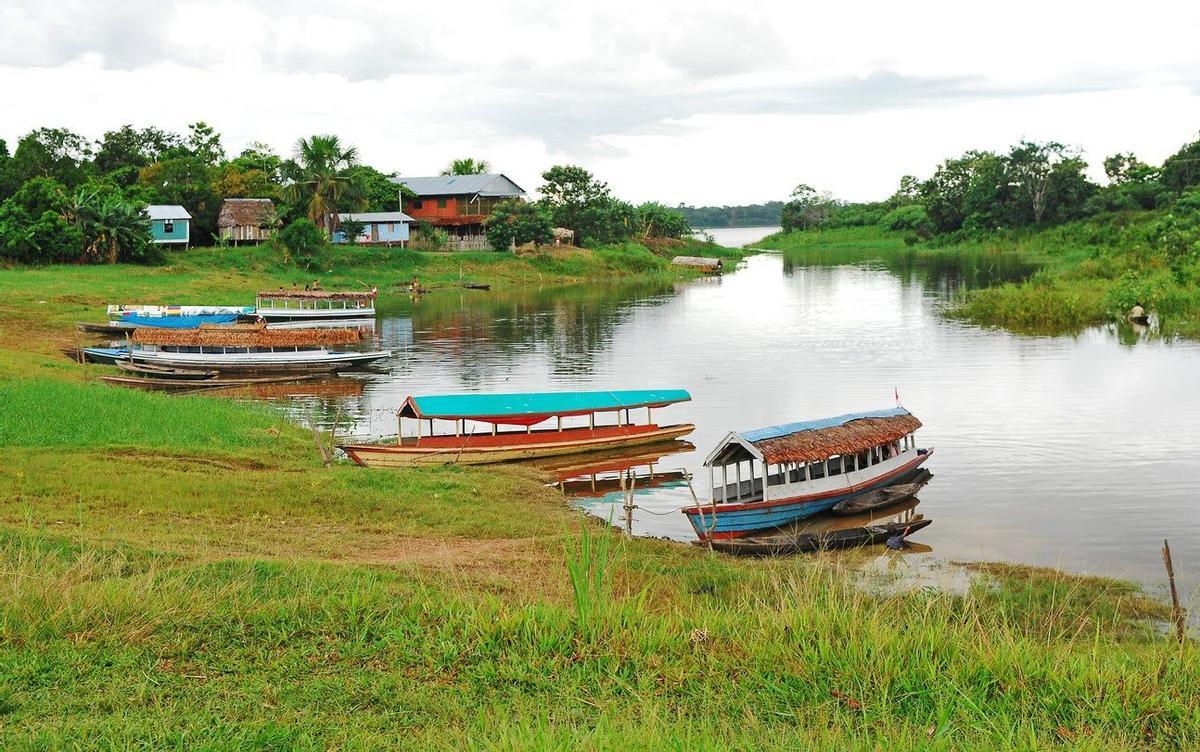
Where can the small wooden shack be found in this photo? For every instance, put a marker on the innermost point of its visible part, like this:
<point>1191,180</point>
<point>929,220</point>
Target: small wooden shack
<point>703,263</point>
<point>247,220</point>
<point>170,224</point>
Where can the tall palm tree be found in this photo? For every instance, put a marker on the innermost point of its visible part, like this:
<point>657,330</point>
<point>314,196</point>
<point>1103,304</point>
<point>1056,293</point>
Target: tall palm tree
<point>321,179</point>
<point>467,166</point>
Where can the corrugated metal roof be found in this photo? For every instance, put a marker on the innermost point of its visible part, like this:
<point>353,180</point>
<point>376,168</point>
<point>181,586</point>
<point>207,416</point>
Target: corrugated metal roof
<point>787,429</point>
<point>534,404</point>
<point>167,211</point>
<point>375,217</point>
<point>490,184</point>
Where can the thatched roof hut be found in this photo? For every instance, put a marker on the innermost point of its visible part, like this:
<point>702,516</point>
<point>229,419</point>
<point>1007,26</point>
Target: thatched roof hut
<point>702,263</point>
<point>813,441</point>
<point>250,219</point>
<point>245,335</point>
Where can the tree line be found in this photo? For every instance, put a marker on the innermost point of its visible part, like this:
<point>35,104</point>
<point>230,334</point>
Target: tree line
<point>748,215</point>
<point>1032,185</point>
<point>65,198</point>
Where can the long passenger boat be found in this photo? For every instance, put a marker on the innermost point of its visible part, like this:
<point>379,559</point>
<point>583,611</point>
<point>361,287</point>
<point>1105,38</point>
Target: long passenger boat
<point>476,421</point>
<point>304,305</point>
<point>797,470</point>
<point>241,348</point>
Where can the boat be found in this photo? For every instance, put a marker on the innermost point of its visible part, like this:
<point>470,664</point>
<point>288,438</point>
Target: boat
<point>797,470</point>
<point>105,356</point>
<point>882,498</point>
<point>169,311</point>
<point>294,305</point>
<point>853,537</point>
<point>242,348</point>
<point>160,372</point>
<point>476,419</point>
<point>153,384</point>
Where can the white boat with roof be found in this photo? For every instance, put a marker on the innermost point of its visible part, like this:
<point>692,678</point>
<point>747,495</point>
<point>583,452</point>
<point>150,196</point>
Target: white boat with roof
<point>295,305</point>
<point>773,476</point>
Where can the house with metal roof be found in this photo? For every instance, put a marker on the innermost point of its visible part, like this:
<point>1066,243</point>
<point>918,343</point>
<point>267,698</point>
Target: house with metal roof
<point>379,228</point>
<point>458,204</point>
<point>170,224</point>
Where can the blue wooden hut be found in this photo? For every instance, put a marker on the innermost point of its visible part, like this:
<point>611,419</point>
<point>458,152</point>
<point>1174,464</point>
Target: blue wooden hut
<point>380,228</point>
<point>169,224</point>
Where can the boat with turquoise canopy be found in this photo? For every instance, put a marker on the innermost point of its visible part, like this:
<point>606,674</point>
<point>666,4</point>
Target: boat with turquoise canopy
<point>537,424</point>
<point>770,477</point>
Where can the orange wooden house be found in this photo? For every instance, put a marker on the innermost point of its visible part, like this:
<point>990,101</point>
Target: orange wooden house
<point>458,204</point>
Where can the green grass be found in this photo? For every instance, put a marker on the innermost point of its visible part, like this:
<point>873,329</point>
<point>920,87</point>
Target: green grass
<point>1058,280</point>
<point>184,573</point>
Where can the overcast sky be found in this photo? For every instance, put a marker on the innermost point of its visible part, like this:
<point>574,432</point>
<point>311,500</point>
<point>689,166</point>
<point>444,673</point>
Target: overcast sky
<point>706,103</point>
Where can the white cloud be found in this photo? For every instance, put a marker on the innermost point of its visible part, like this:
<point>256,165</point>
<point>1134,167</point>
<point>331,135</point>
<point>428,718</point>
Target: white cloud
<point>691,101</point>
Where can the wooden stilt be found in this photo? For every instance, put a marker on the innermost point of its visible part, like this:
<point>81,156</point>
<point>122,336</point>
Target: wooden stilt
<point>1176,609</point>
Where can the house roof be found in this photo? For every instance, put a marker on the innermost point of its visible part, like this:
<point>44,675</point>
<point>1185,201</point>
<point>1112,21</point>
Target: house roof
<point>489,184</point>
<point>167,211</point>
<point>532,407</point>
<point>246,211</point>
<point>815,440</point>
<point>370,217</point>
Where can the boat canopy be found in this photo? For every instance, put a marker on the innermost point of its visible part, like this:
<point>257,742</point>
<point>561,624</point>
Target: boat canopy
<point>318,294</point>
<point>244,335</point>
<point>534,407</point>
<point>815,440</point>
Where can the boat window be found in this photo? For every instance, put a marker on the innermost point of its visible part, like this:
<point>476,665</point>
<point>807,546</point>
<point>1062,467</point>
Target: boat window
<point>835,465</point>
<point>796,475</point>
<point>816,470</point>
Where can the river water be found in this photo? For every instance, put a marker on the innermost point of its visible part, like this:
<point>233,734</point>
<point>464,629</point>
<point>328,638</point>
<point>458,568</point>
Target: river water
<point>1075,451</point>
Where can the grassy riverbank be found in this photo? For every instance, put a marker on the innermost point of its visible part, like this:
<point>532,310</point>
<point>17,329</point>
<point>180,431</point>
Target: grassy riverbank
<point>183,572</point>
<point>1083,273</point>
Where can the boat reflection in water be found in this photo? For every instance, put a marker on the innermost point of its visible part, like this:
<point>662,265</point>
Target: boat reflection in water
<point>608,484</point>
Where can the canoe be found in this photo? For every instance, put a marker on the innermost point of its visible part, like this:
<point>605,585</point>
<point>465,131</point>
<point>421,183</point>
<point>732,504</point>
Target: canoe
<point>784,545</point>
<point>160,372</point>
<point>181,385</point>
<point>883,497</point>
<point>488,449</point>
<point>101,355</point>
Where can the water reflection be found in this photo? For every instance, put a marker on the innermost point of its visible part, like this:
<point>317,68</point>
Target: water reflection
<point>1077,451</point>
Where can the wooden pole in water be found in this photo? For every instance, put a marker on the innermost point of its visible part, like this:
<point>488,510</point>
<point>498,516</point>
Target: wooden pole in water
<point>1176,609</point>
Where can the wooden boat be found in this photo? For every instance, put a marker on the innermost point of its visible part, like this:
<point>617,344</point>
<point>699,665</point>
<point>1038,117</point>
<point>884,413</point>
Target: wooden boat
<point>111,329</point>
<point>179,385</point>
<point>107,356</point>
<point>249,348</point>
<point>293,305</point>
<point>476,419</point>
<point>184,374</point>
<point>783,545</point>
<point>882,498</point>
<point>170,311</point>
<point>798,470</point>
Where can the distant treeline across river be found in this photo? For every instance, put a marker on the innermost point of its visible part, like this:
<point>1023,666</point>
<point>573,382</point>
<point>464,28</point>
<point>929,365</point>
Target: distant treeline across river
<point>751,215</point>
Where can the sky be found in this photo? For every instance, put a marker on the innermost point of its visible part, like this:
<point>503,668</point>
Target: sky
<point>698,102</point>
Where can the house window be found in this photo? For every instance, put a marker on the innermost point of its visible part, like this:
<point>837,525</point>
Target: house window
<point>443,203</point>
<point>418,203</point>
<point>168,226</point>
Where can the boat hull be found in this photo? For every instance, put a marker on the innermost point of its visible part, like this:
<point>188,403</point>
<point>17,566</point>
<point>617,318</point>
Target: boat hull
<point>279,362</point>
<point>521,447</point>
<point>728,521</point>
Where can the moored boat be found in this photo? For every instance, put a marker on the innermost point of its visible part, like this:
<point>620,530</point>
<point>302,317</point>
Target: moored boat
<point>476,419</point>
<point>296,305</point>
<point>244,348</point>
<point>797,470</point>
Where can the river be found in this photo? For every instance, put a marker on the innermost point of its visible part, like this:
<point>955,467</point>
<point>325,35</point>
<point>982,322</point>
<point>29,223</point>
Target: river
<point>1072,451</point>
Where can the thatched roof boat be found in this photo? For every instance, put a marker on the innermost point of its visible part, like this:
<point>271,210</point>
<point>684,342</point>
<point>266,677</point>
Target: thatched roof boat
<point>274,305</point>
<point>246,335</point>
<point>796,470</point>
<point>251,347</point>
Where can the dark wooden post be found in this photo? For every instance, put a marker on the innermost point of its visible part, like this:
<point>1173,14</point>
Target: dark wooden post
<point>1176,609</point>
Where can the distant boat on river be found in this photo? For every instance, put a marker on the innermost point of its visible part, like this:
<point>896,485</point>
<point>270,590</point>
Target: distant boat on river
<point>467,446</point>
<point>797,470</point>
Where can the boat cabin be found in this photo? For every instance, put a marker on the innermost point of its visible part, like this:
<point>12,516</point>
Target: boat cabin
<point>557,414</point>
<point>815,458</point>
<point>315,303</point>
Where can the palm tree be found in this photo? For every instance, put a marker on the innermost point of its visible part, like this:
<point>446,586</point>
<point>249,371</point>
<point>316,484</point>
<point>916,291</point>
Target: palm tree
<point>467,166</point>
<point>321,179</point>
<point>112,228</point>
